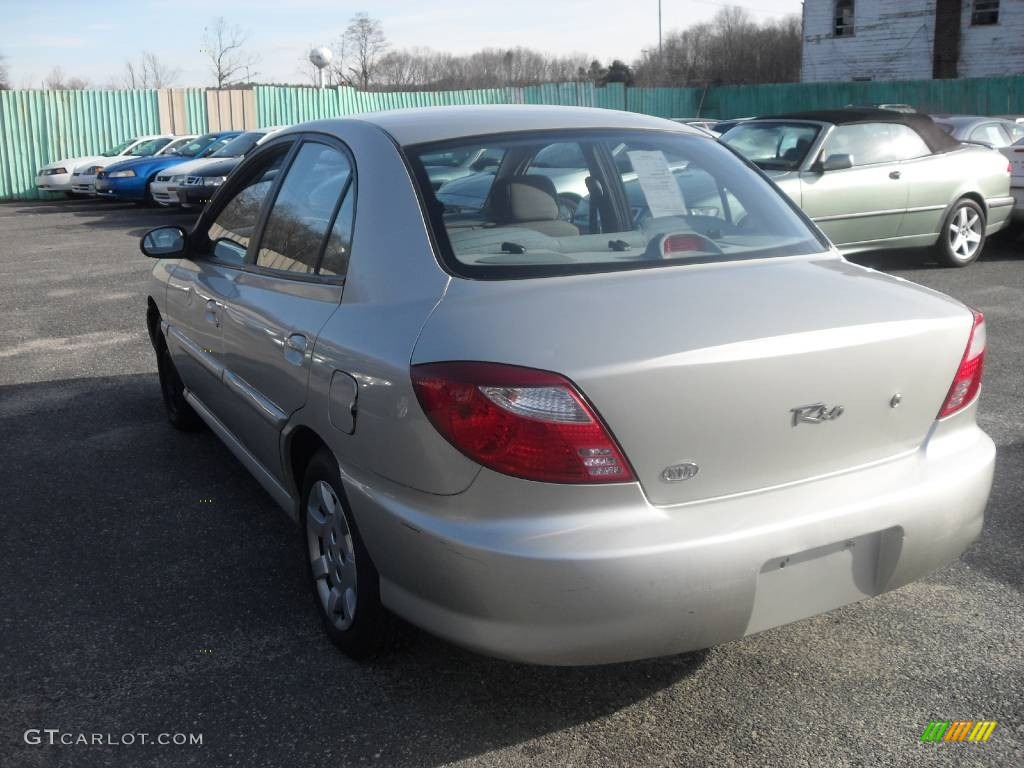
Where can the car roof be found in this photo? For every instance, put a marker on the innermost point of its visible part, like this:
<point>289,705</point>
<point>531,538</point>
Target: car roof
<point>431,124</point>
<point>936,139</point>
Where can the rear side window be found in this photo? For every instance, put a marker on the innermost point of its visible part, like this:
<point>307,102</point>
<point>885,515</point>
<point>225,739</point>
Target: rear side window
<point>304,209</point>
<point>566,202</point>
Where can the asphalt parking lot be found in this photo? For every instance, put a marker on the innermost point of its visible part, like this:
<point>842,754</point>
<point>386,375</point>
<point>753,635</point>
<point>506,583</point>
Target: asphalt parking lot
<point>130,604</point>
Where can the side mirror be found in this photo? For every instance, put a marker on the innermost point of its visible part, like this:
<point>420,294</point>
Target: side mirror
<point>837,163</point>
<point>163,242</point>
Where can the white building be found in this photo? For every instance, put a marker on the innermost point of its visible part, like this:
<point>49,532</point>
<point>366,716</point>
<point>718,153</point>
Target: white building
<point>911,39</point>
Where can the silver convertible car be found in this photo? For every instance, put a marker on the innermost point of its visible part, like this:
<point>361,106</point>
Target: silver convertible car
<point>564,445</point>
<point>876,178</point>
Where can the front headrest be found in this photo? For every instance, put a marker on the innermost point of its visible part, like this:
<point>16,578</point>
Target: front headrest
<point>526,198</point>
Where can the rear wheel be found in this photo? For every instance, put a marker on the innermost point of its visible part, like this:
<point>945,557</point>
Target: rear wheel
<point>346,586</point>
<point>179,412</point>
<point>962,236</point>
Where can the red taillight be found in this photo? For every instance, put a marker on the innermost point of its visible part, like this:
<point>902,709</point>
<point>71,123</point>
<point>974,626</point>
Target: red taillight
<point>519,421</point>
<point>967,381</point>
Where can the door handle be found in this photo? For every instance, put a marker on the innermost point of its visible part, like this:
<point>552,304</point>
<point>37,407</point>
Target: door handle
<point>894,174</point>
<point>297,342</point>
<point>212,312</point>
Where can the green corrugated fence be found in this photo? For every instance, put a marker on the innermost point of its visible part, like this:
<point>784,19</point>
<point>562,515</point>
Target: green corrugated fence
<point>37,127</point>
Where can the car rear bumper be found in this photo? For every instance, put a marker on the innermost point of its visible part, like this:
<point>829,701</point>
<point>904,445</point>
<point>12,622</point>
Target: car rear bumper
<point>555,574</point>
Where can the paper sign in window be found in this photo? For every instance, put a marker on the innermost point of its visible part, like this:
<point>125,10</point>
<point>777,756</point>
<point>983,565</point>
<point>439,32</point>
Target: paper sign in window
<point>664,198</point>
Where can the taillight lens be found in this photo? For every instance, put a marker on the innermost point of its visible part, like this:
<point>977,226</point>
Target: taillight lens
<point>967,381</point>
<point>519,421</point>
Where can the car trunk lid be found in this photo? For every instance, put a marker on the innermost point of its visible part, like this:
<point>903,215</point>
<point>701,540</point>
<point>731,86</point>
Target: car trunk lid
<point>758,373</point>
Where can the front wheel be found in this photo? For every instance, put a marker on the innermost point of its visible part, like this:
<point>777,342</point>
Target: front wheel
<point>179,412</point>
<point>346,586</point>
<point>962,236</point>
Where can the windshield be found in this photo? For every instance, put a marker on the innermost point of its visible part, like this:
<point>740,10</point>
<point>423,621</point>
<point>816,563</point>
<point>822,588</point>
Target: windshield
<point>584,201</point>
<point>148,148</point>
<point>173,147</point>
<point>773,146</point>
<point>216,145</point>
<point>119,148</point>
<point>239,145</point>
<point>195,147</point>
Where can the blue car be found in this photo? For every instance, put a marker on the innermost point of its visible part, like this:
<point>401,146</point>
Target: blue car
<point>130,179</point>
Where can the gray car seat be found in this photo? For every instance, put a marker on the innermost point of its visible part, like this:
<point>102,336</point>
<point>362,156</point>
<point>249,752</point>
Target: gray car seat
<point>529,201</point>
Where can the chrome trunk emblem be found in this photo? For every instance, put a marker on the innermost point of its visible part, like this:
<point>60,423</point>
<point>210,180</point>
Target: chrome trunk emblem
<point>679,472</point>
<point>815,414</point>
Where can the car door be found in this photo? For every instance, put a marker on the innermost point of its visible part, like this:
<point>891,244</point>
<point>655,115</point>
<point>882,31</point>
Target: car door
<point>291,285</point>
<point>932,181</point>
<point>865,202</point>
<point>200,286</point>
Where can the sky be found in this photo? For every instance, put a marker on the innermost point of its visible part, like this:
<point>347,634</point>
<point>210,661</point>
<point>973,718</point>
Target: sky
<point>92,39</point>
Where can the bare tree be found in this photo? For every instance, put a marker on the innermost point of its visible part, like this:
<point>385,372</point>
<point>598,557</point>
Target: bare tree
<point>732,48</point>
<point>224,46</point>
<point>148,72</point>
<point>365,38</point>
<point>5,82</point>
<point>56,81</point>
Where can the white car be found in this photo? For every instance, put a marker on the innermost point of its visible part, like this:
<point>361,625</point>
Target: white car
<point>83,180</point>
<point>56,176</point>
<point>1015,154</point>
<point>164,188</point>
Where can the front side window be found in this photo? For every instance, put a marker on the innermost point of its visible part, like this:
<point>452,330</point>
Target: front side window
<point>567,202</point>
<point>843,19</point>
<point>985,12</point>
<point>773,146</point>
<point>865,143</point>
<point>228,237</point>
<point>304,209</point>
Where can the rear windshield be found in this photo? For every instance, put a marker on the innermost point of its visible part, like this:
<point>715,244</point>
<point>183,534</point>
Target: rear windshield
<point>588,201</point>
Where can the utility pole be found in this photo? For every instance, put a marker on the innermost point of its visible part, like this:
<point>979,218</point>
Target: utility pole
<point>659,31</point>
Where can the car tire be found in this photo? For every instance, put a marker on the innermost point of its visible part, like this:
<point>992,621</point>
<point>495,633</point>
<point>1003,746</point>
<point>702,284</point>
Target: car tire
<point>962,236</point>
<point>179,412</point>
<point>344,580</point>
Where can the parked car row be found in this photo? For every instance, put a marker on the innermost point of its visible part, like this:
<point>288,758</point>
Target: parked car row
<point>166,169</point>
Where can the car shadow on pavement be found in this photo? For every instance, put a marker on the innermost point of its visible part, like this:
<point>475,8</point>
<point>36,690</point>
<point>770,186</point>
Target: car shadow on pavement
<point>151,585</point>
<point>1004,246</point>
<point>110,214</point>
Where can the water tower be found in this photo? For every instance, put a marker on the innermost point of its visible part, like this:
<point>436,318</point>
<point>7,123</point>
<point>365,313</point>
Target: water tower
<point>321,58</point>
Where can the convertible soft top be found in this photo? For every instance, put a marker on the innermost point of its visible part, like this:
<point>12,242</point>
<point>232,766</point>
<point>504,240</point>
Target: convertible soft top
<point>936,139</point>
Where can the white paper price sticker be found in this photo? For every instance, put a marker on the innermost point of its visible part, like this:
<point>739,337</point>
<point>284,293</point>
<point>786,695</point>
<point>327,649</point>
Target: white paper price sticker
<point>664,198</point>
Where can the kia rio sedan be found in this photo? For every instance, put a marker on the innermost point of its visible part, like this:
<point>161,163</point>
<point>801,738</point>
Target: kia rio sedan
<point>556,443</point>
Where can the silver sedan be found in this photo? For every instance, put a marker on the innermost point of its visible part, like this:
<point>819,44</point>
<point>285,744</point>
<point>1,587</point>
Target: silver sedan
<point>564,444</point>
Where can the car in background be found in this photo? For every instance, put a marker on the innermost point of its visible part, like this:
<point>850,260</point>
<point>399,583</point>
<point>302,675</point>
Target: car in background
<point>448,165</point>
<point>727,125</point>
<point>83,180</point>
<point>555,446</point>
<point>56,176</point>
<point>700,123</point>
<point>129,180</point>
<point>904,108</point>
<point>991,132</point>
<point>1015,154</point>
<point>877,178</point>
<point>193,183</point>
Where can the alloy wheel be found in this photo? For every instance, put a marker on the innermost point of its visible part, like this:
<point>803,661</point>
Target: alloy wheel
<point>965,233</point>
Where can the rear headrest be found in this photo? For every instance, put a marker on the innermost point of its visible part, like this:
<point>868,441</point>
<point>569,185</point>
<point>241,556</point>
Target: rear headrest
<point>526,198</point>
